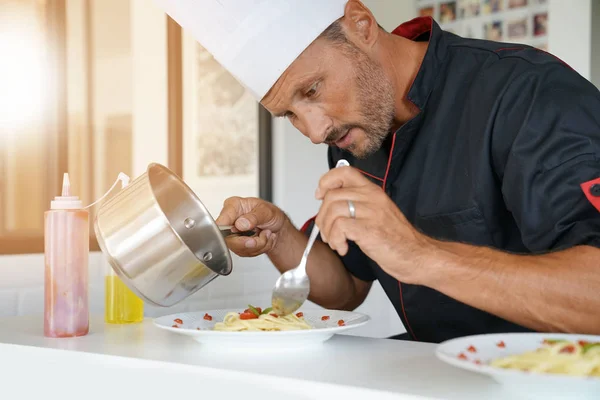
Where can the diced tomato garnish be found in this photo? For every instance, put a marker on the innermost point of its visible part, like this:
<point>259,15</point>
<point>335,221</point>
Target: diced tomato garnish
<point>325,318</point>
<point>178,321</point>
<point>477,362</point>
<point>300,315</point>
<point>501,344</point>
<point>207,317</point>
<point>462,356</point>
<point>583,342</point>
<point>248,315</point>
<point>341,322</point>
<point>472,349</point>
<point>568,349</point>
<point>174,326</point>
<point>274,315</point>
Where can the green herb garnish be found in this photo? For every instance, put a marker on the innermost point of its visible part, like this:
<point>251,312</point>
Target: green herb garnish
<point>254,310</point>
<point>268,310</point>
<point>589,346</point>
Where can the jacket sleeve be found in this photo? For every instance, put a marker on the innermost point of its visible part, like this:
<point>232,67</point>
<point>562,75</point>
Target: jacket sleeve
<point>545,145</point>
<point>355,261</point>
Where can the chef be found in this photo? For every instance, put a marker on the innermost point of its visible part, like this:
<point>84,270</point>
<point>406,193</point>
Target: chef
<point>474,171</point>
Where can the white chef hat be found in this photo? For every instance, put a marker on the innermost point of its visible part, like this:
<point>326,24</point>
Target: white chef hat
<point>255,40</point>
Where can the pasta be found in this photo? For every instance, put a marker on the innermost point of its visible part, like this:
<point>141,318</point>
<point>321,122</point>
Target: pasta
<point>253,319</point>
<point>558,357</point>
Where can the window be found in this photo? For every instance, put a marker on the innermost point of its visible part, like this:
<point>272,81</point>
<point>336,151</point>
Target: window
<point>66,97</point>
<point>32,118</point>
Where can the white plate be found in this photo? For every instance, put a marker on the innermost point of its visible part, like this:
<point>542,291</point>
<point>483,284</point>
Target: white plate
<point>534,385</point>
<point>322,330</point>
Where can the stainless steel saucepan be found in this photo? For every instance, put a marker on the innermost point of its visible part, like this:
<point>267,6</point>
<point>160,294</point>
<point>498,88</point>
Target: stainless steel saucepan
<point>160,239</point>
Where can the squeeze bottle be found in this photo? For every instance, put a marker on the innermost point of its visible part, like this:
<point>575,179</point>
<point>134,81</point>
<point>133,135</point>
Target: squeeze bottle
<point>121,305</point>
<point>66,253</point>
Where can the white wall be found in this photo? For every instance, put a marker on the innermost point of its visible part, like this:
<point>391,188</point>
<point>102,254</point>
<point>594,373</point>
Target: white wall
<point>595,68</point>
<point>577,44</point>
<point>571,42</point>
<point>391,13</point>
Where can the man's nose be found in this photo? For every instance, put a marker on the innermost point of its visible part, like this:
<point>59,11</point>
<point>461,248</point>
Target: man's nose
<point>315,124</point>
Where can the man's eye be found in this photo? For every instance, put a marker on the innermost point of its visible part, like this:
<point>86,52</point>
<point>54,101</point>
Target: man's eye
<point>313,90</point>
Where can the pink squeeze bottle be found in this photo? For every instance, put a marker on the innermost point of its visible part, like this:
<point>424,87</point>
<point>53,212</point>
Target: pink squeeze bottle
<point>66,252</point>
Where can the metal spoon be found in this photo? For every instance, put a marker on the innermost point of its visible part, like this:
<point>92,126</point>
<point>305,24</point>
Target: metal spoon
<point>292,288</point>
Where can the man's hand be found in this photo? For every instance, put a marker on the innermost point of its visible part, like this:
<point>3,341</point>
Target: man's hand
<point>245,214</point>
<point>379,227</point>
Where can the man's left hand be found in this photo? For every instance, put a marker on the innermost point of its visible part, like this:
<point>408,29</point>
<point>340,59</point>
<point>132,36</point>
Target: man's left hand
<point>378,227</point>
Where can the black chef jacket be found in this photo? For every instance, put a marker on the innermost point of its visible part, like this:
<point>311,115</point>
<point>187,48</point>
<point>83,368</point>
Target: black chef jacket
<point>505,136</point>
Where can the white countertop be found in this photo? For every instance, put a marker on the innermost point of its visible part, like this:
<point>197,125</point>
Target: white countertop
<point>143,357</point>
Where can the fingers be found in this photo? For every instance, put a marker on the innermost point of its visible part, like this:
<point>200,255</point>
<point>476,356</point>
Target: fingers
<point>327,216</point>
<point>342,230</point>
<point>261,216</point>
<point>232,207</point>
<point>335,205</point>
<point>342,177</point>
<point>252,246</point>
<point>245,214</point>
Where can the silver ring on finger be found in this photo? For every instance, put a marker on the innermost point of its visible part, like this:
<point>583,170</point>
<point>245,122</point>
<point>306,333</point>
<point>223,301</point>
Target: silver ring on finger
<point>352,209</point>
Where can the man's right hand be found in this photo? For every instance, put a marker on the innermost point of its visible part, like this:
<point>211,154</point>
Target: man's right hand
<point>246,214</point>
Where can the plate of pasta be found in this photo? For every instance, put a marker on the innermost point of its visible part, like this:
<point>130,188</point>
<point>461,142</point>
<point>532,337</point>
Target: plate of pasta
<point>538,365</point>
<point>253,325</point>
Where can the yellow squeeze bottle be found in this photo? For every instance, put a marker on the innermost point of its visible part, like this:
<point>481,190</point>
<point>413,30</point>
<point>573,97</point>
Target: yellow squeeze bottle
<point>121,305</point>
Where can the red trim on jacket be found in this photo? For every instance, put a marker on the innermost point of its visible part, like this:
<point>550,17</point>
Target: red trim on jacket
<point>307,224</point>
<point>414,28</point>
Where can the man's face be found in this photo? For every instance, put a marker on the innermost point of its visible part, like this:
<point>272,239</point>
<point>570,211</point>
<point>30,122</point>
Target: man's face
<point>334,93</point>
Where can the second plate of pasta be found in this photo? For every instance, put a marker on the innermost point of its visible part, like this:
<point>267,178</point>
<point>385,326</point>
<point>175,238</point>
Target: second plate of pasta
<point>254,326</point>
<point>537,365</point>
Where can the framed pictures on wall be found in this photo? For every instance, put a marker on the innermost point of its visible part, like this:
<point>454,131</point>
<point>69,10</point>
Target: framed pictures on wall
<point>512,21</point>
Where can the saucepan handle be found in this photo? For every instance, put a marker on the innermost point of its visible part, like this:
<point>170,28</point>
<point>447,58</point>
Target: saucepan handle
<point>226,231</point>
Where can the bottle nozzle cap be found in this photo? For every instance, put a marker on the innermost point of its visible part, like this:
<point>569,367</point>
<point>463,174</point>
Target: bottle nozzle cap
<point>66,185</point>
<point>66,201</point>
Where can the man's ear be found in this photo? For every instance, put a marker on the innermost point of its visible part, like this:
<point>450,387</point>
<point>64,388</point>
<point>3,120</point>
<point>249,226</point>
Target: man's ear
<point>360,24</point>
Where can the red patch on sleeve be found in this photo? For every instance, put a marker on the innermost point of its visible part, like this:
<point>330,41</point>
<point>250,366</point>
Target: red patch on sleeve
<point>591,190</point>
